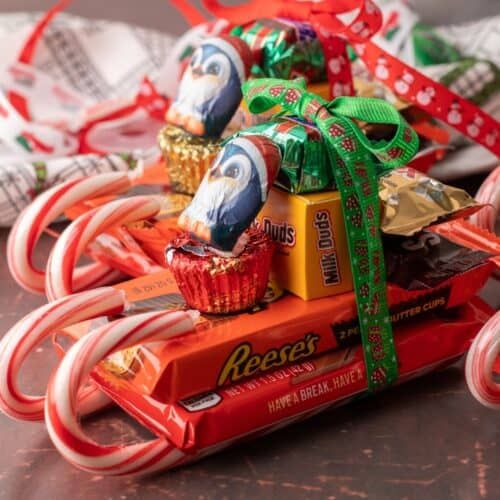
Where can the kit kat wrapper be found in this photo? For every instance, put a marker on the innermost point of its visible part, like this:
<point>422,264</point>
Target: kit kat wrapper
<point>269,401</point>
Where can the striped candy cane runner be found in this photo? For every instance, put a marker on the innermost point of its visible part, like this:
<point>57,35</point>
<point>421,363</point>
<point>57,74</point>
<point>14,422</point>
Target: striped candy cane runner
<point>489,194</point>
<point>62,396</point>
<point>63,259</point>
<point>46,209</point>
<point>29,332</point>
<point>480,362</point>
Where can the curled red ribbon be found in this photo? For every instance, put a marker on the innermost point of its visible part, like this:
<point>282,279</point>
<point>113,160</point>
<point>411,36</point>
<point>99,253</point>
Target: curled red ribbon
<point>403,80</point>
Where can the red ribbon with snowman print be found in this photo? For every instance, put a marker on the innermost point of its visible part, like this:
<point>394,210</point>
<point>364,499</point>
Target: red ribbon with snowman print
<point>403,80</point>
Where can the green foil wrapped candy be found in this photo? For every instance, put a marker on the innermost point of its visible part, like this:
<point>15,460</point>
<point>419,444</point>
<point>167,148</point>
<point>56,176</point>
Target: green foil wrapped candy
<point>305,165</point>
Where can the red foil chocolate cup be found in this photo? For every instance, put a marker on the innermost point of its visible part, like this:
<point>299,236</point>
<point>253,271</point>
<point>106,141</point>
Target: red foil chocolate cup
<point>219,285</point>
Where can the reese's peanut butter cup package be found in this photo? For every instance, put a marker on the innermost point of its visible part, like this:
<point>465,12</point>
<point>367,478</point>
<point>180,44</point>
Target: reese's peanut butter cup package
<point>272,399</point>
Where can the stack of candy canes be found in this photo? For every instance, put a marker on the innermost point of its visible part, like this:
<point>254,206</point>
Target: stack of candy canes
<point>297,259</point>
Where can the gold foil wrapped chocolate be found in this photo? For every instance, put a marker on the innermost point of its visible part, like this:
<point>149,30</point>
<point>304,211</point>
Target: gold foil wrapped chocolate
<point>187,157</point>
<point>125,363</point>
<point>172,204</point>
<point>412,201</point>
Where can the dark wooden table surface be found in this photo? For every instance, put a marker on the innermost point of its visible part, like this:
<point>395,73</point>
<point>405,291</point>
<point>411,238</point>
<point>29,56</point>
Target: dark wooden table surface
<point>426,439</point>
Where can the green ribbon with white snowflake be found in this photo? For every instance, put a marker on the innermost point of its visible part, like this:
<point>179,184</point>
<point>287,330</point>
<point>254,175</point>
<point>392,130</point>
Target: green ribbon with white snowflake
<point>356,163</point>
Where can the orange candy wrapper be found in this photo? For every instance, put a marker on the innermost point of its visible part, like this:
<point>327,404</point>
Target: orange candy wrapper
<point>285,329</point>
<point>266,402</point>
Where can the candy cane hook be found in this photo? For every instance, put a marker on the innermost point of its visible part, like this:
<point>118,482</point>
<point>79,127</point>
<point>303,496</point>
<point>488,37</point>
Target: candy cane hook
<point>489,194</point>
<point>44,210</point>
<point>30,331</point>
<point>62,419</point>
<point>61,267</point>
<point>479,365</point>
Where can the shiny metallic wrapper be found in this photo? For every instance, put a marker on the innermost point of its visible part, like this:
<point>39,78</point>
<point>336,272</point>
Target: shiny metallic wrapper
<point>412,201</point>
<point>221,285</point>
<point>305,165</point>
<point>283,48</point>
<point>187,157</point>
<point>125,363</point>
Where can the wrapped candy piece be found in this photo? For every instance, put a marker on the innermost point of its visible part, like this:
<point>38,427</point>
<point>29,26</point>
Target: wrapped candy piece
<point>210,90</point>
<point>305,165</point>
<point>208,97</point>
<point>412,201</point>
<point>232,191</point>
<point>216,284</point>
<point>187,157</point>
<point>284,48</point>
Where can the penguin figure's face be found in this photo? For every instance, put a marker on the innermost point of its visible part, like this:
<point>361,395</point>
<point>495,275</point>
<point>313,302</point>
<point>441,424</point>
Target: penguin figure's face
<point>231,193</point>
<point>229,189</point>
<point>230,172</point>
<point>210,63</point>
<point>209,92</point>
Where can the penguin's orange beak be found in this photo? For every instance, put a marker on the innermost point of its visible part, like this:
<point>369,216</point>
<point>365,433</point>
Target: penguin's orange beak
<point>195,227</point>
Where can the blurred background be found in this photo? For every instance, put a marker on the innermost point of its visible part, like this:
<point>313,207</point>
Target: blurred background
<point>159,15</point>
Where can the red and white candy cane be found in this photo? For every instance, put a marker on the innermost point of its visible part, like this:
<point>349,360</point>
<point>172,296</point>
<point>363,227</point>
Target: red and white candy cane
<point>72,242</point>
<point>30,331</point>
<point>44,210</point>
<point>62,396</point>
<point>488,194</point>
<point>480,363</point>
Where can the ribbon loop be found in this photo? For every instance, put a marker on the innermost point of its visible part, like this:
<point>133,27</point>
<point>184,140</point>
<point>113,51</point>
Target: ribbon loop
<point>396,152</point>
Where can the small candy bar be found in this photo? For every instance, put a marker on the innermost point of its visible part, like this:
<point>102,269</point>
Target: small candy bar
<point>311,259</point>
<point>305,165</point>
<point>283,48</point>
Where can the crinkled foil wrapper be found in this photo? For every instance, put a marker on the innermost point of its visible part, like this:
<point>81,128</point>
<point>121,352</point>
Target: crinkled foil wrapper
<point>412,201</point>
<point>305,164</point>
<point>244,119</point>
<point>125,363</point>
<point>284,49</point>
<point>187,157</point>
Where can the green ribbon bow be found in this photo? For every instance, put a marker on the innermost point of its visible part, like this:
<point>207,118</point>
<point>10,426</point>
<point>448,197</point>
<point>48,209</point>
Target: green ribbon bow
<point>353,159</point>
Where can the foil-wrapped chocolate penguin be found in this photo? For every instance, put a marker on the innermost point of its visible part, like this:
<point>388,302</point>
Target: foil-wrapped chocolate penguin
<point>232,192</point>
<point>210,90</point>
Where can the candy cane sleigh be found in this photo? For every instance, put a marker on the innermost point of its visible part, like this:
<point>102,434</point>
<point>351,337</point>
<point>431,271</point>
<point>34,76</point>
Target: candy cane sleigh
<point>68,396</point>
